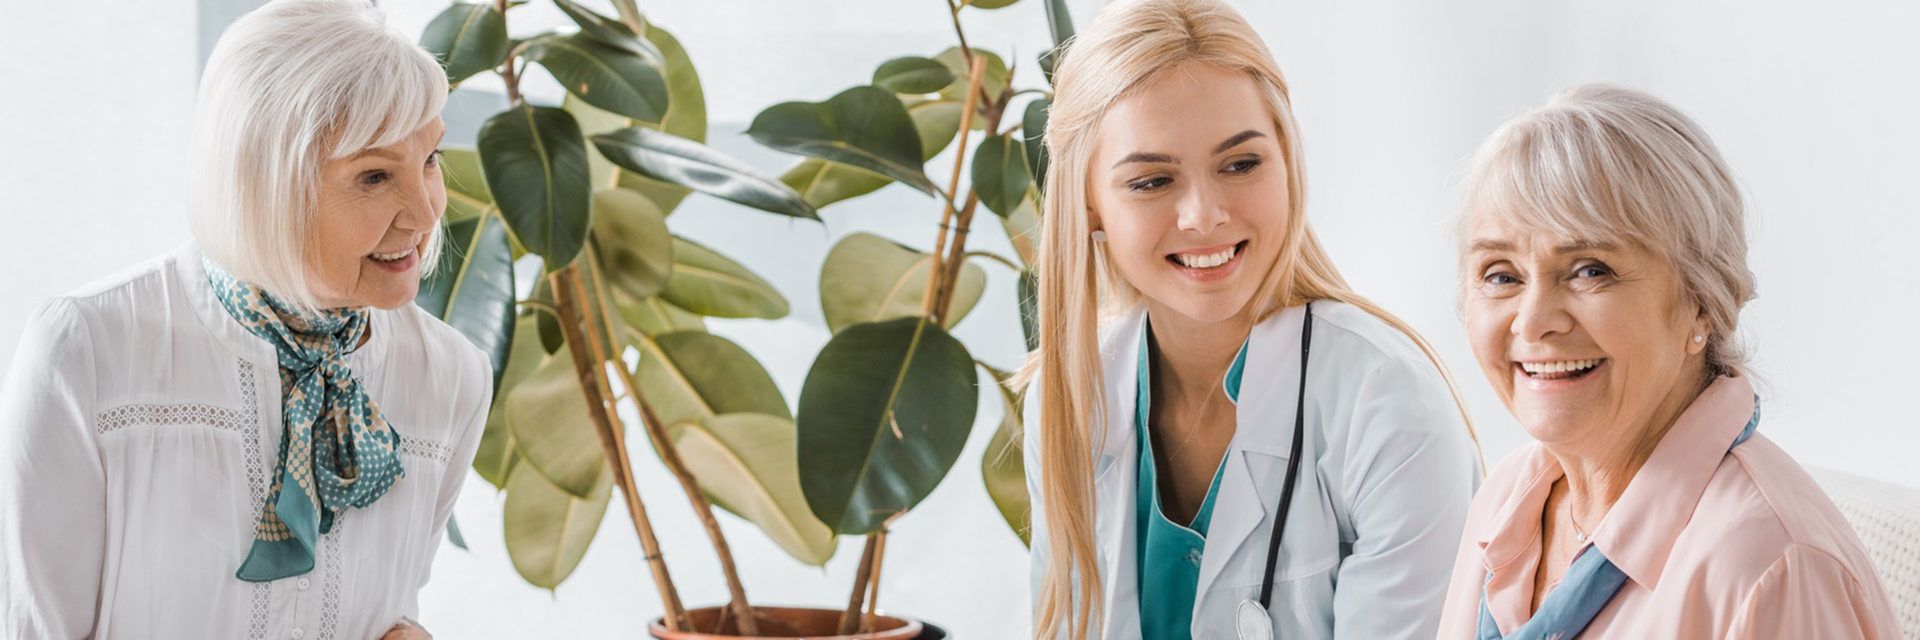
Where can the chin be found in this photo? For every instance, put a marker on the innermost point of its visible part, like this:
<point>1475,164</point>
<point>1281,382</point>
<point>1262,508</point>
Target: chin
<point>1207,309</point>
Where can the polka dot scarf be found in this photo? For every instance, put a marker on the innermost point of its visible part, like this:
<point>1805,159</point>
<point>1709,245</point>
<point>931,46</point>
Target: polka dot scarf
<point>336,450</point>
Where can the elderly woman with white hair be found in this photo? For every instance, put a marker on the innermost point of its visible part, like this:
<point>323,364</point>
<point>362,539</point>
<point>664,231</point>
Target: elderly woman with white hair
<point>256,436</point>
<point>1605,256</point>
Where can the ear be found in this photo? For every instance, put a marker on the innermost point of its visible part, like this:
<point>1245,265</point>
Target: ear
<point>1702,332</point>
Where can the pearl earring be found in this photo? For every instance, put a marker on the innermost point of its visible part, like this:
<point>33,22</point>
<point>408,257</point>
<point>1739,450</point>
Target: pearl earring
<point>1099,236</point>
<point>1699,339</point>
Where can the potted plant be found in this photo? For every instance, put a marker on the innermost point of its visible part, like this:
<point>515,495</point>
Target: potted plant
<point>617,316</point>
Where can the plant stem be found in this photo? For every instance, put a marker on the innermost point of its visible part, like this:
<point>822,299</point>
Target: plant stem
<point>944,297</point>
<point>564,288</point>
<point>850,619</point>
<point>975,75</point>
<point>670,454</point>
<point>630,16</point>
<point>994,257</point>
<point>873,594</point>
<point>506,68</point>
<point>954,11</point>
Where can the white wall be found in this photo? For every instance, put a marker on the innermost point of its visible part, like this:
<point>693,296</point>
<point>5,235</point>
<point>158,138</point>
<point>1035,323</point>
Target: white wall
<point>1812,104</point>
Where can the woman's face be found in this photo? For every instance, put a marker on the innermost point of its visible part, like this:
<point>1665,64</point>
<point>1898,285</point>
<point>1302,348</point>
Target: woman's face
<point>1584,341</point>
<point>1188,182</point>
<point>376,209</point>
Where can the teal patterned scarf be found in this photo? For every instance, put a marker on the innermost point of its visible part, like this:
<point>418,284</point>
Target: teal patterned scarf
<point>336,449</point>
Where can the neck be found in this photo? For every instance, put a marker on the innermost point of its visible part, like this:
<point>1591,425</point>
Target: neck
<point>1598,471</point>
<point>1192,356</point>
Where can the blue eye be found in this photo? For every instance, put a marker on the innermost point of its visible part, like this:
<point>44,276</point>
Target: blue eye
<point>372,178</point>
<point>1591,271</point>
<point>1243,167</point>
<point>1500,278</point>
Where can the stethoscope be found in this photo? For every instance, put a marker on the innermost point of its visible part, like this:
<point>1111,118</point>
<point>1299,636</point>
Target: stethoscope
<point>1251,619</point>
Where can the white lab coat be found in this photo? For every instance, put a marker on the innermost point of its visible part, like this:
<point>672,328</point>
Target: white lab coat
<point>1387,475</point>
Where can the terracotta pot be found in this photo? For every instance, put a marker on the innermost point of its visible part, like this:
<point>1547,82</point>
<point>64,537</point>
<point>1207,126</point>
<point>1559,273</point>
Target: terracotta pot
<point>786,623</point>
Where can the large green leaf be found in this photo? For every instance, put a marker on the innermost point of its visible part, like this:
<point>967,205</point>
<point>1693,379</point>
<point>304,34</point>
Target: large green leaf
<point>498,453</point>
<point>1003,466</point>
<point>1060,23</point>
<point>686,117</point>
<point>912,74</point>
<point>670,158</point>
<point>552,429</point>
<point>652,316</point>
<point>467,193</point>
<point>993,81</point>
<point>472,289</point>
<point>883,416</point>
<point>630,235</point>
<point>868,278</point>
<point>745,463</point>
<point>1023,229</point>
<point>604,76</point>
<point>1030,309</point>
<point>609,31</point>
<point>1033,130</point>
<point>1000,174</point>
<point>823,183</point>
<point>467,39</point>
<point>693,375</point>
<point>710,284</point>
<point>536,165</point>
<point>548,530</point>
<point>865,127</point>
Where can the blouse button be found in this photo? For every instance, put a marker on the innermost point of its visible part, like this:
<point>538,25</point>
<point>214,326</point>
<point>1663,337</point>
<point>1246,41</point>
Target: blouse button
<point>303,584</point>
<point>298,633</point>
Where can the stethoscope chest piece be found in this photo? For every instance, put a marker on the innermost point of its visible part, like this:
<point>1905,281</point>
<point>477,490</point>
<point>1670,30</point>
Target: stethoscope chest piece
<point>1252,621</point>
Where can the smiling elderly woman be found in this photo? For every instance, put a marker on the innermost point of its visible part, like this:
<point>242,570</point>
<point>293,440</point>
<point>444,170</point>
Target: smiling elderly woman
<point>1605,255</point>
<point>258,436</point>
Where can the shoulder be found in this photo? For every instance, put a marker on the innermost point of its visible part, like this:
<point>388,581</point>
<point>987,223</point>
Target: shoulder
<point>1352,335</point>
<point>134,302</point>
<point>1367,372</point>
<point>1761,509</point>
<point>425,345</point>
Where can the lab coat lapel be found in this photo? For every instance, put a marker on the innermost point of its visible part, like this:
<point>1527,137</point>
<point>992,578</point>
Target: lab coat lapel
<point>1255,467</point>
<point>1115,478</point>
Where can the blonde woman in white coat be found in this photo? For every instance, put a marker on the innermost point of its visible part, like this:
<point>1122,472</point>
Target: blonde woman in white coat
<point>1169,419</point>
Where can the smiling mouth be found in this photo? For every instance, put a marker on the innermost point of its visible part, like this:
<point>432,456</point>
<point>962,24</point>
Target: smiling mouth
<point>1208,261</point>
<point>1560,369</point>
<point>391,257</point>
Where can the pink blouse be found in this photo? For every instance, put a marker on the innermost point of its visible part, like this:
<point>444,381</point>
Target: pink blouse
<point>1715,544</point>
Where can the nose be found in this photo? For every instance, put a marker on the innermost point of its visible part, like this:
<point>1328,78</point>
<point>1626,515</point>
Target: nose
<point>421,206</point>
<point>1542,314</point>
<point>1200,210</point>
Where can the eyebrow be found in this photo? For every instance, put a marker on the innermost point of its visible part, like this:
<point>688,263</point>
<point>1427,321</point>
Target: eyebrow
<point>1237,139</point>
<point>1486,244</point>
<point>1161,158</point>
<point>379,152</point>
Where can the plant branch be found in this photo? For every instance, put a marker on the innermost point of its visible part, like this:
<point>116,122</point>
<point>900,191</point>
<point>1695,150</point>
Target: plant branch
<point>994,257</point>
<point>506,68</point>
<point>564,285</point>
<point>873,595</point>
<point>850,619</point>
<point>954,10</point>
<point>976,74</point>
<point>670,454</point>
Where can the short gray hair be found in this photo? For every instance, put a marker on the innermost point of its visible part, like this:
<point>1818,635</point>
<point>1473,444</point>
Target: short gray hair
<point>1605,163</point>
<point>289,86</point>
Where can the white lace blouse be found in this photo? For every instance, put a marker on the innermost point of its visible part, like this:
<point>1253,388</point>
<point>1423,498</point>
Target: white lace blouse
<point>139,426</point>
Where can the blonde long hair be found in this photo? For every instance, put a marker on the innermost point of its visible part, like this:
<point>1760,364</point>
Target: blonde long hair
<point>1127,43</point>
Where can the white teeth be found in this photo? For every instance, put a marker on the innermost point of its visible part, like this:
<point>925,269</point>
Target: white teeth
<point>1208,261</point>
<point>1561,366</point>
<point>390,257</point>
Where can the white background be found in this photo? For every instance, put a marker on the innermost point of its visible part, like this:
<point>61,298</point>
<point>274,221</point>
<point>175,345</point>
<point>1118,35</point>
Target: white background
<point>1813,104</point>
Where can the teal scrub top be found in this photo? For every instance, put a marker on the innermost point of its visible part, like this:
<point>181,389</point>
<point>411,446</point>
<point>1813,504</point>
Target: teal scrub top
<point>1168,554</point>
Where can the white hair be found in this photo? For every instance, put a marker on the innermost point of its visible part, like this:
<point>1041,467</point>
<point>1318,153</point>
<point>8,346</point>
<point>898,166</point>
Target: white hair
<point>289,86</point>
<point>1605,163</point>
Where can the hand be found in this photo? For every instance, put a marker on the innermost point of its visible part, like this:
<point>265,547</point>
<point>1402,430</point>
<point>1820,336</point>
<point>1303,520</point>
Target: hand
<point>404,631</point>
